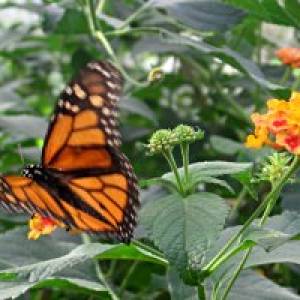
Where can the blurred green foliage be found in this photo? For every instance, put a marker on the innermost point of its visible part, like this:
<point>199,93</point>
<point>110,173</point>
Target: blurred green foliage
<point>219,66</point>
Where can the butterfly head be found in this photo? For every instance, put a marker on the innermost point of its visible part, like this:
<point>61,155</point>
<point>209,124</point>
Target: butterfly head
<point>33,171</point>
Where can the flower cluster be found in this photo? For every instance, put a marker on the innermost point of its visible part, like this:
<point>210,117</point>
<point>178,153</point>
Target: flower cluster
<point>40,225</point>
<point>273,168</point>
<point>289,56</point>
<point>166,139</point>
<point>279,127</point>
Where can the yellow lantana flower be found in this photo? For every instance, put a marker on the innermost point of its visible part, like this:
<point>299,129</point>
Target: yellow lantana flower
<point>40,225</point>
<point>279,127</point>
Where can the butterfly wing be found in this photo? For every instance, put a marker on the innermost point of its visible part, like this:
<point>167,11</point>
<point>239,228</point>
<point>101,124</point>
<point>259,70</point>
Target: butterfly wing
<point>88,182</point>
<point>85,125</point>
<point>82,145</point>
<point>22,194</point>
<point>111,197</point>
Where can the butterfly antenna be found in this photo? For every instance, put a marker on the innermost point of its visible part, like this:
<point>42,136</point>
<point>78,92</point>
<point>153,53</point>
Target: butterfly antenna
<point>21,153</point>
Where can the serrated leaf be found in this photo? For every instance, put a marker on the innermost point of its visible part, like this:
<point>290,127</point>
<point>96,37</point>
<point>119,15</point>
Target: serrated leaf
<point>158,181</point>
<point>216,181</point>
<point>286,224</point>
<point>184,228</point>
<point>211,169</point>
<point>251,285</point>
<point>268,239</point>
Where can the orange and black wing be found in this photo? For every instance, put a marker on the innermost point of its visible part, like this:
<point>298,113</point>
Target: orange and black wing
<point>88,183</point>
<point>111,197</point>
<point>84,126</point>
<point>21,194</point>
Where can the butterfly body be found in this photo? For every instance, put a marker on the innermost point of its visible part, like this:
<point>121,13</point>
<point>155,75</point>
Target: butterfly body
<point>84,180</point>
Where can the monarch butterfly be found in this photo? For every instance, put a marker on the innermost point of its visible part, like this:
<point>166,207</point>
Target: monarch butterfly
<point>84,180</point>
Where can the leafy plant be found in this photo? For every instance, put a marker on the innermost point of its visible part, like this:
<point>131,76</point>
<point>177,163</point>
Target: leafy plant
<point>212,209</point>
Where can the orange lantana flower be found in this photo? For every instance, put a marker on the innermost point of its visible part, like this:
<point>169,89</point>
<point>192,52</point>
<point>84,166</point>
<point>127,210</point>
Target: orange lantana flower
<point>289,56</point>
<point>40,225</point>
<point>279,127</point>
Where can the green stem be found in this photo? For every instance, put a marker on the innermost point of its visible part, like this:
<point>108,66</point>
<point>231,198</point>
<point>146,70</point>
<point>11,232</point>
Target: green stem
<point>100,37</point>
<point>201,292</point>
<point>215,262</point>
<point>100,6</point>
<point>286,75</point>
<point>172,163</point>
<point>184,148</point>
<point>86,240</point>
<point>133,16</point>
<point>263,220</point>
<point>236,273</point>
<point>296,84</point>
<point>237,203</point>
<point>127,277</point>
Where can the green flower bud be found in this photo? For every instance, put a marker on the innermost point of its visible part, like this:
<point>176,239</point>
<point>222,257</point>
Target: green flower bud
<point>274,167</point>
<point>161,140</point>
<point>187,134</point>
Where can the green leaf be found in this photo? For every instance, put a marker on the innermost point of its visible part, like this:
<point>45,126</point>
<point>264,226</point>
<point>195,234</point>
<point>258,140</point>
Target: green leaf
<point>125,252</point>
<point>245,178</point>
<point>178,289</point>
<point>14,289</point>
<point>35,126</point>
<point>271,11</point>
<point>211,169</point>
<point>46,268</point>
<point>225,145</point>
<point>251,285</point>
<point>202,15</point>
<point>72,22</point>
<point>287,223</point>
<point>268,239</point>
<point>232,58</point>
<point>170,185</point>
<point>184,228</point>
<point>138,107</point>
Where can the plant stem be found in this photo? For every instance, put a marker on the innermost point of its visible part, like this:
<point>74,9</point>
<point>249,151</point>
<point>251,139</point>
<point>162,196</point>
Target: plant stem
<point>286,75</point>
<point>100,37</point>
<point>215,262</point>
<point>236,273</point>
<point>86,240</point>
<point>201,292</point>
<point>296,84</point>
<point>172,163</point>
<point>185,149</point>
<point>100,6</point>
<point>127,277</point>
<point>133,16</point>
<point>262,221</point>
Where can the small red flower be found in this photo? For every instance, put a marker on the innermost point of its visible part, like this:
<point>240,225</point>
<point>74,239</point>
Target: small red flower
<point>40,225</point>
<point>289,56</point>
